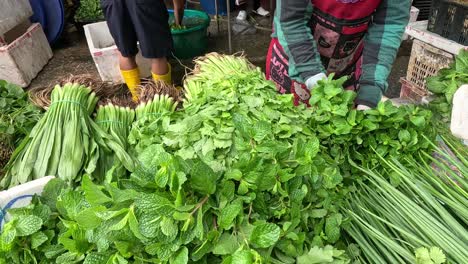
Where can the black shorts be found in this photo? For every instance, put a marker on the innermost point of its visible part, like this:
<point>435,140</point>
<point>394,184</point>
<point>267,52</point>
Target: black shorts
<point>143,21</point>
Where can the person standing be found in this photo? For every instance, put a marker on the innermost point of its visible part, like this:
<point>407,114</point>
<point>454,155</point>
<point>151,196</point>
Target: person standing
<point>145,22</point>
<point>258,9</point>
<point>354,38</point>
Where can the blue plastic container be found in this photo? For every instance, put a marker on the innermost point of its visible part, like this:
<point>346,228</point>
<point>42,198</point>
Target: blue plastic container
<point>38,13</point>
<point>209,6</point>
<point>50,14</point>
<point>55,19</point>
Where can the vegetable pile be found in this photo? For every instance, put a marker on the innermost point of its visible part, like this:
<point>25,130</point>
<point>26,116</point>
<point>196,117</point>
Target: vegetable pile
<point>17,118</point>
<point>446,82</point>
<point>64,143</point>
<point>425,208</point>
<point>175,26</point>
<point>89,11</point>
<point>188,22</point>
<point>237,175</point>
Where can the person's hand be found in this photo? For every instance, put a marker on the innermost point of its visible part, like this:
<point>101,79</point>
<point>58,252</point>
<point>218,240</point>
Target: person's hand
<point>363,107</point>
<point>179,6</point>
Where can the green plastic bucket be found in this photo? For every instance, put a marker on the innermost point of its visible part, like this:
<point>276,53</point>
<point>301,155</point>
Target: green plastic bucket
<point>191,41</point>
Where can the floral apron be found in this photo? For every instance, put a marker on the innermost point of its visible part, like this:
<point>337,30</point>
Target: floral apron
<point>338,27</point>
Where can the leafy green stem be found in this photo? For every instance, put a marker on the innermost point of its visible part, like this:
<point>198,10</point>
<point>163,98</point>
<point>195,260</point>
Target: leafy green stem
<point>199,205</point>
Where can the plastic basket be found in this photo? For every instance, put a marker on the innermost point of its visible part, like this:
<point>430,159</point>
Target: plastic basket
<point>191,42</point>
<point>425,61</point>
<point>412,92</point>
<point>424,7</point>
<point>449,18</point>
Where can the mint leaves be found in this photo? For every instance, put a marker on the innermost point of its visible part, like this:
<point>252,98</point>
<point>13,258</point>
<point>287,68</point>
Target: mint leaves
<point>228,214</point>
<point>326,255</point>
<point>203,178</point>
<point>445,84</point>
<point>27,225</point>
<point>265,235</point>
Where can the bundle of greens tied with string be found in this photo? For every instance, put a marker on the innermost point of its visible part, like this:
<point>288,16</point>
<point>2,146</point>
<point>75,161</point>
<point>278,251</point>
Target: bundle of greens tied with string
<point>116,121</point>
<point>65,142</point>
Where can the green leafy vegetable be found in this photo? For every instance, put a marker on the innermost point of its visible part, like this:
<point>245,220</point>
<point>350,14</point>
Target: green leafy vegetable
<point>445,84</point>
<point>17,117</point>
<point>115,121</point>
<point>65,142</point>
<point>426,210</point>
<point>265,235</point>
<point>89,11</point>
<point>238,175</point>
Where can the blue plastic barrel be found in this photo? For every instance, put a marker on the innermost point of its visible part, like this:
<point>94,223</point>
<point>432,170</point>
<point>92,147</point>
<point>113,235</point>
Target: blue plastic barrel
<point>55,16</point>
<point>51,15</point>
<point>38,13</point>
<point>209,6</point>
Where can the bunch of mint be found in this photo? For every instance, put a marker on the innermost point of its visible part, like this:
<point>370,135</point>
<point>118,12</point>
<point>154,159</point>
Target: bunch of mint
<point>446,83</point>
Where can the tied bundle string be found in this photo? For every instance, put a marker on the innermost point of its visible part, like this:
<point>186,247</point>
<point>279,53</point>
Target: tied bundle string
<point>155,114</point>
<point>110,122</point>
<point>71,102</point>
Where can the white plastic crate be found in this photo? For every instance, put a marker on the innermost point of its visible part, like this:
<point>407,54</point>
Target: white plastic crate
<point>13,13</point>
<point>24,58</point>
<point>106,56</point>
<point>413,17</point>
<point>418,30</point>
<point>426,61</point>
<point>20,196</point>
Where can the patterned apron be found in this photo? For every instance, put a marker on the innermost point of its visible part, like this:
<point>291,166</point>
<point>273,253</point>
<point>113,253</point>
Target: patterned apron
<point>338,27</point>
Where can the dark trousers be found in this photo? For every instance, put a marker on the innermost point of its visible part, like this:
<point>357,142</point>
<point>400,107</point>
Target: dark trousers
<point>139,21</point>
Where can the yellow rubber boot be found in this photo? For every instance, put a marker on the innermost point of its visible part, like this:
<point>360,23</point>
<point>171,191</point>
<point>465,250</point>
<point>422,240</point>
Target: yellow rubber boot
<point>132,79</point>
<point>167,78</point>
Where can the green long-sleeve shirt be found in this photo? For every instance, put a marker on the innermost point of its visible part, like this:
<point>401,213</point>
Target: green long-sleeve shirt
<point>381,44</point>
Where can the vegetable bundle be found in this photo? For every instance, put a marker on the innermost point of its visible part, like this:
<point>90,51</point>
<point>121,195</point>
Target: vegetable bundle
<point>149,116</point>
<point>115,121</point>
<point>17,117</point>
<point>423,208</point>
<point>64,143</point>
<point>157,106</point>
<point>361,136</point>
